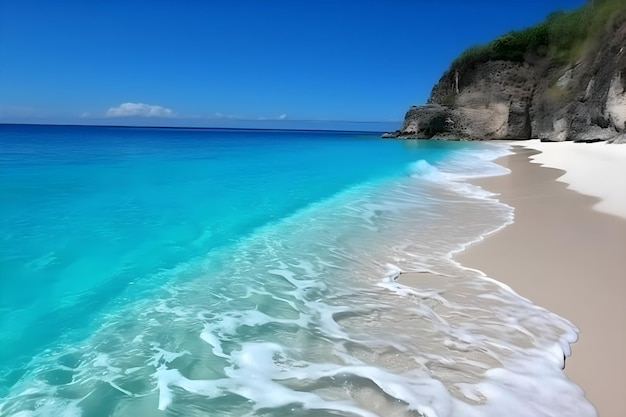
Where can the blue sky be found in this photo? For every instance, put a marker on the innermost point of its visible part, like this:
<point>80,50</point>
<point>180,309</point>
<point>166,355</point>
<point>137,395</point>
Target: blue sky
<point>238,63</point>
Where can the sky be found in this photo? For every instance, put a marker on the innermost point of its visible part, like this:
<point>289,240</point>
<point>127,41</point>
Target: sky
<point>346,64</point>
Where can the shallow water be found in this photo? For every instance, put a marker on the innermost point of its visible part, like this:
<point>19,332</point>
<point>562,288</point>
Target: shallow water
<point>191,273</point>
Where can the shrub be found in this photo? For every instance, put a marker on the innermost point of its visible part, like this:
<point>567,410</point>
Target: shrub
<point>562,36</point>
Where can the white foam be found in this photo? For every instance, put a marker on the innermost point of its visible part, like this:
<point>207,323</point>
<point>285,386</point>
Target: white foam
<point>208,336</point>
<point>296,316</point>
<point>423,169</point>
<point>165,377</point>
<point>462,165</point>
<point>251,376</point>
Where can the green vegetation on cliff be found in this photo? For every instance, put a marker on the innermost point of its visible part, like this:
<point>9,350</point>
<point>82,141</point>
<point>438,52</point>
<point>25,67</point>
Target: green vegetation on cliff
<point>562,79</point>
<point>564,36</point>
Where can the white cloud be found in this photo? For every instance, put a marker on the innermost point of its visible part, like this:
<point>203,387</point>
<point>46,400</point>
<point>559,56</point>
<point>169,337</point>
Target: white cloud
<point>219,115</point>
<point>139,109</point>
<point>281,117</point>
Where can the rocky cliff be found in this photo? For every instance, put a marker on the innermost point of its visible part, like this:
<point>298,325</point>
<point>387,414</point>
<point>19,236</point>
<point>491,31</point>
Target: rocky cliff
<point>536,96</point>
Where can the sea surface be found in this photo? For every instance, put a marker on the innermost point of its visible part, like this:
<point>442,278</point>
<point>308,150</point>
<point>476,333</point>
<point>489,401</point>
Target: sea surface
<point>189,272</point>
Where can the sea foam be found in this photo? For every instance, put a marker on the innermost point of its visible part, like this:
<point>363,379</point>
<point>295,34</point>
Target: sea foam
<point>305,317</point>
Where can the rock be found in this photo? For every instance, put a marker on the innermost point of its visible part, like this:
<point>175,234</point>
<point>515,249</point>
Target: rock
<point>565,80</point>
<point>538,98</point>
<point>589,140</point>
<point>425,122</point>
<point>619,139</point>
<point>615,109</point>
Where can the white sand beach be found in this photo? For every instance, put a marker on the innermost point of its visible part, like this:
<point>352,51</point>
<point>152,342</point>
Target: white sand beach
<point>595,169</point>
<point>565,252</point>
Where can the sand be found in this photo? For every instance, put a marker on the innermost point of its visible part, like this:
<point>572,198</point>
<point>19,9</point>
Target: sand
<point>596,169</point>
<point>567,257</point>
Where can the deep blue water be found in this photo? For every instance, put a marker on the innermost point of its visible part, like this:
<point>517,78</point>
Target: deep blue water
<point>189,272</point>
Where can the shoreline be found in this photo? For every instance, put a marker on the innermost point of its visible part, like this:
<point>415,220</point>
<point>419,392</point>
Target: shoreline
<point>565,256</point>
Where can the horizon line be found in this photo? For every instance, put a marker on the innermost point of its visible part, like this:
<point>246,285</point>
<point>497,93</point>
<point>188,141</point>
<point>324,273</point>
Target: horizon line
<point>201,127</point>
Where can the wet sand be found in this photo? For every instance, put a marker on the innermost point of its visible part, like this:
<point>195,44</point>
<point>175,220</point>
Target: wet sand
<point>568,258</point>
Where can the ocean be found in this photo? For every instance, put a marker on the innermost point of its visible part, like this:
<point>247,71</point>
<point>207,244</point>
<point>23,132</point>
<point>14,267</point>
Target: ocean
<point>214,272</point>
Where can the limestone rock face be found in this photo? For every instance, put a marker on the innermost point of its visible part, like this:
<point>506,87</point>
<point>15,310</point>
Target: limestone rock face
<point>424,122</point>
<point>620,139</point>
<point>616,102</point>
<point>532,99</point>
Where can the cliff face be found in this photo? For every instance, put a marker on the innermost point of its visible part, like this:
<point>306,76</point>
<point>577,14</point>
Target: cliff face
<point>535,98</point>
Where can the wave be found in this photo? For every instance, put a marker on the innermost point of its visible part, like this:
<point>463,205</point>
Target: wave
<point>304,317</point>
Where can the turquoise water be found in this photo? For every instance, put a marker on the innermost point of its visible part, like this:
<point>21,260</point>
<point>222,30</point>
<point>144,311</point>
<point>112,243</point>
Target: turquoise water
<point>186,272</point>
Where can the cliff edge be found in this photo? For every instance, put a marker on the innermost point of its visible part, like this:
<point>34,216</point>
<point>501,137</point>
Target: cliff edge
<point>564,79</point>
